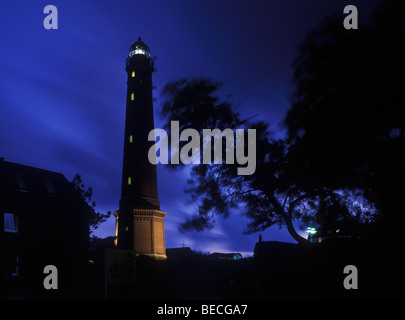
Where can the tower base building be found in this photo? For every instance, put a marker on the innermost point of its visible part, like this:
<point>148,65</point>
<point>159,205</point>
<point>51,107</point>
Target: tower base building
<point>149,233</point>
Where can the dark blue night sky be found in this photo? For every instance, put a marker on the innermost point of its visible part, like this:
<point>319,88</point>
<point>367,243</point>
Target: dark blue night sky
<point>63,92</point>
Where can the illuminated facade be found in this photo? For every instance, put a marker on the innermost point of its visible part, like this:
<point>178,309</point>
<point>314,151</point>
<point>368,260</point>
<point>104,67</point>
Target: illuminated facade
<point>140,221</point>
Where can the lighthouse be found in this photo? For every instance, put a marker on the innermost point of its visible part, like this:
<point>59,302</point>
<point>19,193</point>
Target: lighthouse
<point>140,220</point>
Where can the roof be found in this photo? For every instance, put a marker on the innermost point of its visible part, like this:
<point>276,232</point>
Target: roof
<point>178,251</point>
<point>139,45</point>
<point>274,248</point>
<point>21,168</point>
<point>18,181</point>
<point>223,254</point>
<point>15,177</point>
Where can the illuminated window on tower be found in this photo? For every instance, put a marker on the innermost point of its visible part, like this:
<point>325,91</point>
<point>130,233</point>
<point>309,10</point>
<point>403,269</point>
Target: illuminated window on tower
<point>132,96</point>
<point>131,138</point>
<point>129,181</point>
<point>133,74</point>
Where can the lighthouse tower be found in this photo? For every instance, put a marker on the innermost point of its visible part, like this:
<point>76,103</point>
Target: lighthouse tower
<point>140,221</point>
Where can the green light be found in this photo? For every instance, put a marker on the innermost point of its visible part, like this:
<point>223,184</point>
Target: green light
<point>129,181</point>
<point>131,139</point>
<point>311,230</point>
<point>132,96</point>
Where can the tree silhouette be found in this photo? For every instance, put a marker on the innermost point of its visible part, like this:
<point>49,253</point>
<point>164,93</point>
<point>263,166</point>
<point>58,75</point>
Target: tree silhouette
<point>346,123</point>
<point>95,218</point>
<point>272,195</point>
<point>343,158</point>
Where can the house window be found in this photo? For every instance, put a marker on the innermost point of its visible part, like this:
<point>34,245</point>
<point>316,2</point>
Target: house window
<point>14,267</point>
<point>129,181</point>
<point>131,138</point>
<point>21,183</point>
<point>133,74</point>
<point>49,187</point>
<point>11,264</point>
<point>132,96</point>
<point>10,222</point>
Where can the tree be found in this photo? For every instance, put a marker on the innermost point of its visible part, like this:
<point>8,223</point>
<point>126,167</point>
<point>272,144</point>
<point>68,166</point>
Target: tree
<point>347,120</point>
<point>273,195</point>
<point>95,218</point>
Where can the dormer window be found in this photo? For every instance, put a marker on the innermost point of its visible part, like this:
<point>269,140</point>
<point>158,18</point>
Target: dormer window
<point>21,183</point>
<point>49,187</point>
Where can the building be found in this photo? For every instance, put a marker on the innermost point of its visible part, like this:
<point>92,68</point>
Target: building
<point>274,250</point>
<point>180,254</point>
<point>140,221</point>
<point>340,230</point>
<point>225,256</point>
<point>43,221</point>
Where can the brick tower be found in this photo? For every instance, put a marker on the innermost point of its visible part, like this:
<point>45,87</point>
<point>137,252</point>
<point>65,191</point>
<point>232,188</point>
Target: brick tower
<point>140,221</point>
